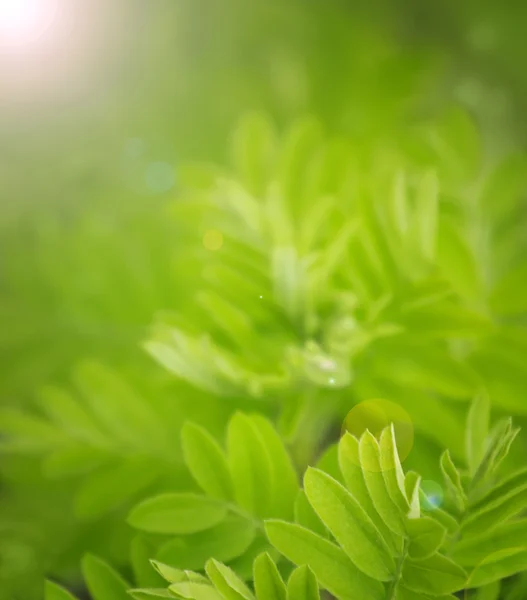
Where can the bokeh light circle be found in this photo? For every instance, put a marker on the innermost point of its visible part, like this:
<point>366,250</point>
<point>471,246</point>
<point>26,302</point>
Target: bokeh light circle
<point>434,495</point>
<point>213,239</point>
<point>159,177</point>
<point>377,414</point>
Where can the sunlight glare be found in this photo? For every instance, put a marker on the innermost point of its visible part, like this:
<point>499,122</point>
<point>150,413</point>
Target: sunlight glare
<point>23,22</point>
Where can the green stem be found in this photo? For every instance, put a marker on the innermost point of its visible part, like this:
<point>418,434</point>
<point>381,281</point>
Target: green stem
<point>314,421</point>
<point>398,573</point>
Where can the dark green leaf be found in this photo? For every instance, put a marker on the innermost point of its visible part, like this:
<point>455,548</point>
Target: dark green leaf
<point>53,591</point>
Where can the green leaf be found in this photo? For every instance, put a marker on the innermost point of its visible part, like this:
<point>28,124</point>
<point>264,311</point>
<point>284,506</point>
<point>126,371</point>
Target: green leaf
<point>102,581</point>
<point>500,440</point>
<point>302,585</point>
<point>196,590</point>
<point>120,410</point>
<point>372,471</point>
<point>74,459</point>
<point>268,583</point>
<point>225,541</point>
<point>392,470</point>
<point>206,462</point>
<point>412,483</point>
<point>425,537</point>
<point>492,514</point>
<point>452,479</point>
<point>178,513</point>
<point>477,431</point>
<point>435,575</point>
<point>52,591</point>
<point>489,592</point>
<point>142,550</point>
<point>289,282</point>
<point>230,586</point>
<point>458,264</point>
<point>230,320</point>
<point>29,433</point>
<point>472,550</point>
<point>67,413</point>
<point>514,483</point>
<point>250,465</point>
<point>113,486</point>
<point>403,593</point>
<point>425,217</point>
<point>147,593</point>
<point>499,565</point>
<point>441,516</point>
<point>307,517</point>
<point>328,562</point>
<point>349,524</point>
<point>173,575</point>
<point>518,590</point>
<point>398,205</point>
<point>284,480</point>
<point>244,564</point>
<point>349,462</point>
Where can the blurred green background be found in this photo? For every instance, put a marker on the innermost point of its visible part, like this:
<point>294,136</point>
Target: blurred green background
<point>97,119</point>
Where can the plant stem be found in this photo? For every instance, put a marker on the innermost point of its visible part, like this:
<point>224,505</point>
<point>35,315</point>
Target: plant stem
<point>395,581</point>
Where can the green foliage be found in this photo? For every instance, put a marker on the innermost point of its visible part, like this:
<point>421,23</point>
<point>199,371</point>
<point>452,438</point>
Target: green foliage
<point>359,255</point>
<point>402,559</point>
<point>221,583</point>
<point>252,480</point>
<point>103,430</point>
<point>376,535</point>
<point>358,267</point>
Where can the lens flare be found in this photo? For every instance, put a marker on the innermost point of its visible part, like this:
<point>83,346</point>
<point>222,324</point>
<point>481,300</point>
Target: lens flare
<point>213,239</point>
<point>23,22</point>
<point>433,495</point>
<point>374,415</point>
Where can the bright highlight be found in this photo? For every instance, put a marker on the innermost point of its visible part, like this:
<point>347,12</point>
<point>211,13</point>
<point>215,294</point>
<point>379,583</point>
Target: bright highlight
<point>23,22</point>
<point>374,415</point>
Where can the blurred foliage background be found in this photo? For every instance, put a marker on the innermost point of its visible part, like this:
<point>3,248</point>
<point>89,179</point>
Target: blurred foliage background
<point>95,245</point>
